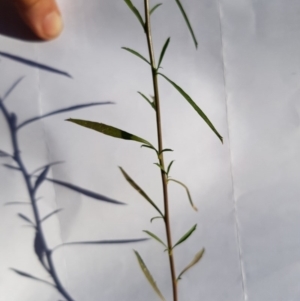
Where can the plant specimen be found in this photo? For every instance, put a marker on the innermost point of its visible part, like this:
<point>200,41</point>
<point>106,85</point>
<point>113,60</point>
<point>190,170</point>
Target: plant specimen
<point>33,181</point>
<point>164,169</point>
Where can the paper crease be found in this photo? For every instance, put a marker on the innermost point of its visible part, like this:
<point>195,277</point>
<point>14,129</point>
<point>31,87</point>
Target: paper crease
<point>237,227</point>
<point>41,112</point>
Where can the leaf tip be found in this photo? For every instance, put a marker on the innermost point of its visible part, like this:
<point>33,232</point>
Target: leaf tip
<point>122,171</point>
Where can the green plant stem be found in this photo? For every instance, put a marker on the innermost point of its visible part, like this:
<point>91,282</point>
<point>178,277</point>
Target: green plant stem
<point>160,148</point>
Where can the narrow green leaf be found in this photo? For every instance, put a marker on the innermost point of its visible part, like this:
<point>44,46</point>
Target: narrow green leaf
<point>187,191</point>
<point>136,53</point>
<point>160,166</point>
<point>151,103</point>
<point>108,130</point>
<point>187,22</point>
<point>196,259</point>
<point>151,147</point>
<point>194,105</point>
<point>154,102</point>
<point>155,217</point>
<point>162,53</point>
<point>154,8</point>
<point>155,237</point>
<point>148,275</point>
<point>139,190</point>
<point>136,12</point>
<point>169,167</point>
<point>185,236</point>
<point>166,150</point>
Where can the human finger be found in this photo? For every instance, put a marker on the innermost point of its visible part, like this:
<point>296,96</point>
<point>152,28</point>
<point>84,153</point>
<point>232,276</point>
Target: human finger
<point>42,16</point>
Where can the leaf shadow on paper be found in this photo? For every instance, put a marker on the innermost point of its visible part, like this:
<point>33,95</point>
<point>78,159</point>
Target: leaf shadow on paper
<point>34,180</point>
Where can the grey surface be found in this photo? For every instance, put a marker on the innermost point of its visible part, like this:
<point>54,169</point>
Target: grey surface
<point>244,75</point>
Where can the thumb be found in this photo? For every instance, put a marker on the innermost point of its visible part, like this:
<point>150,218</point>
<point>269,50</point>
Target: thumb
<point>42,16</point>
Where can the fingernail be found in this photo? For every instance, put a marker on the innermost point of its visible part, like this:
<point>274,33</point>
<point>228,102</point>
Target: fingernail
<point>52,25</point>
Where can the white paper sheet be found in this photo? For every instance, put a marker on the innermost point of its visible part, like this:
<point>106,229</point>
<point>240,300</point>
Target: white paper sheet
<point>244,75</point>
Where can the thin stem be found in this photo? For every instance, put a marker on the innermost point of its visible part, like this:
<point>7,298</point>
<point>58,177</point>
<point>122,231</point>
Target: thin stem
<point>160,147</point>
<point>12,125</point>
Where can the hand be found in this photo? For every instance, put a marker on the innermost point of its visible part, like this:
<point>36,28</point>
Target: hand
<point>42,16</point>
